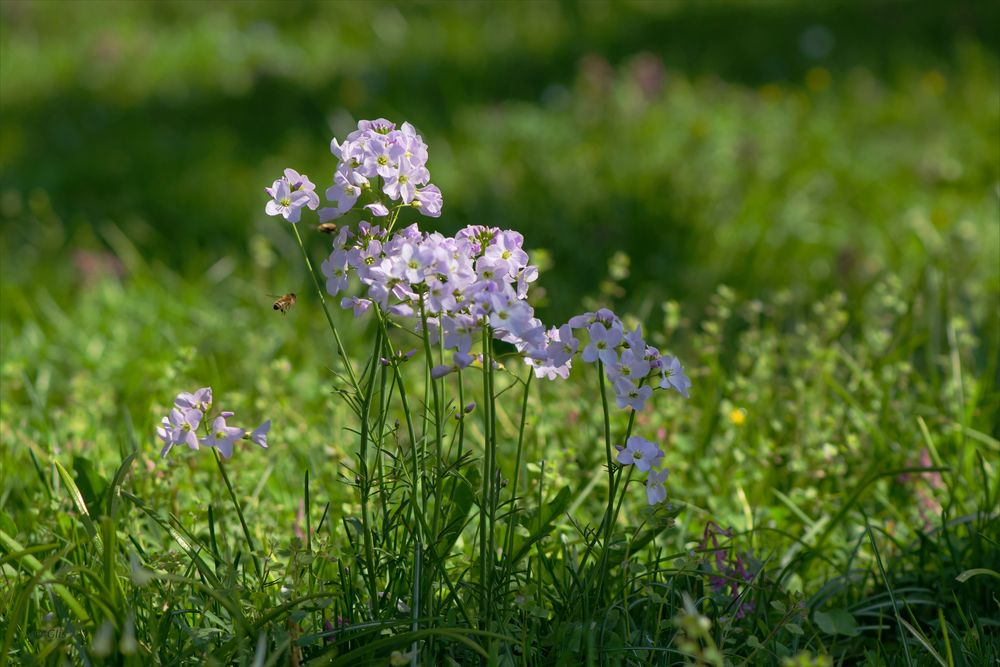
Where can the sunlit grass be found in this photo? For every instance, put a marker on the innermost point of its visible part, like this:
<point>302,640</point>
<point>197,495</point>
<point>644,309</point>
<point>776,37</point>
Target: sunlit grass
<point>803,423</point>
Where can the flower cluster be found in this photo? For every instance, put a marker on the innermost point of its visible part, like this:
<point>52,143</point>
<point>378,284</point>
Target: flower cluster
<point>646,456</point>
<point>377,157</point>
<point>476,280</point>
<point>193,410</point>
<point>633,367</point>
<point>377,160</point>
<point>458,287</point>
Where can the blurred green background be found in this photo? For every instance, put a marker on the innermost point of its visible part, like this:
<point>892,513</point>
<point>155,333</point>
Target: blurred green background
<point>767,145</point>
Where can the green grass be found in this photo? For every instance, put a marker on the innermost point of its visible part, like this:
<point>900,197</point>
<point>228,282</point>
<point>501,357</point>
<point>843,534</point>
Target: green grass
<point>844,424</point>
<point>837,412</point>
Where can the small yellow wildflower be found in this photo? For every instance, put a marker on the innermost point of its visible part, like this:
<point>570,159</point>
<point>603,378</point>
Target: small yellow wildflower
<point>738,416</point>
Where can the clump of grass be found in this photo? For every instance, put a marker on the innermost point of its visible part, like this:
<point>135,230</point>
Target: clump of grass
<point>188,589</point>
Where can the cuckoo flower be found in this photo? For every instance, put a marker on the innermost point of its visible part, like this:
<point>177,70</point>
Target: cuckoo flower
<point>259,434</point>
<point>290,194</point>
<point>190,411</point>
<point>656,493</point>
<point>179,428</point>
<point>300,183</point>
<point>674,377</point>
<point>397,157</point>
<point>428,201</point>
<point>200,400</point>
<point>640,452</point>
<point>222,436</point>
<point>343,193</point>
<point>603,344</point>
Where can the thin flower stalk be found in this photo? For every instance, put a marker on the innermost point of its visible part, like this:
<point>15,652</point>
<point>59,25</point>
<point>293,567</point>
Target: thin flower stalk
<point>365,482</point>
<point>344,359</point>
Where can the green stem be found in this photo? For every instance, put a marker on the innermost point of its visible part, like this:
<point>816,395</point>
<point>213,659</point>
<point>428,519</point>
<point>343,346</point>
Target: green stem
<point>438,435</point>
<point>494,482</point>
<point>608,523</point>
<point>384,398</point>
<point>392,220</point>
<point>621,498</point>
<point>618,506</point>
<point>329,318</point>
<point>607,449</point>
<point>417,516</point>
<point>415,502</point>
<point>461,421</point>
<point>612,516</point>
<point>363,461</point>
<point>460,413</point>
<point>239,513</point>
<point>508,539</point>
<point>484,538</point>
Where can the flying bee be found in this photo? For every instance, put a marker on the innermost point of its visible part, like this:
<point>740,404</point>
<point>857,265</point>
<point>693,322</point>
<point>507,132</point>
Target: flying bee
<point>285,303</point>
<point>327,228</point>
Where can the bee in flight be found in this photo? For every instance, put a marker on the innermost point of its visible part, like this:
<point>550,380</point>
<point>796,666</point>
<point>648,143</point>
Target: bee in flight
<point>285,303</point>
<point>327,228</point>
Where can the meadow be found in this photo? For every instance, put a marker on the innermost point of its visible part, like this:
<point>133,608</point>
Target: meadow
<point>805,215</point>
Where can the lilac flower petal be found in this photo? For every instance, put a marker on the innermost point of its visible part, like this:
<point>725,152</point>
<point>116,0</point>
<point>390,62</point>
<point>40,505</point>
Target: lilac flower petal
<point>377,209</point>
<point>439,372</point>
<point>259,435</point>
<point>225,448</point>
